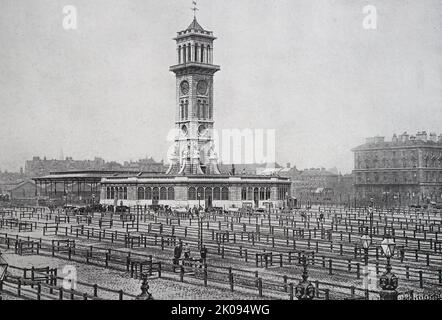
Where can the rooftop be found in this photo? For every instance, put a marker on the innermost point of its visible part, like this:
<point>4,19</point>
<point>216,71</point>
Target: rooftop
<point>195,29</point>
<point>403,140</point>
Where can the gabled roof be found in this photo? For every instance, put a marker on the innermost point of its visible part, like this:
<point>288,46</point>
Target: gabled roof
<point>17,185</point>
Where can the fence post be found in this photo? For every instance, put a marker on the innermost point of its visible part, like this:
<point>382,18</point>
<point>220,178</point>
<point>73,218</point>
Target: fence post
<point>330,263</point>
<point>291,291</point>
<point>317,288</point>
<point>260,286</point>
<point>205,275</point>
<point>120,294</point>
<point>358,270</point>
<point>60,293</point>
<point>231,279</point>
<point>38,291</point>
<point>421,280</point>
<point>181,273</point>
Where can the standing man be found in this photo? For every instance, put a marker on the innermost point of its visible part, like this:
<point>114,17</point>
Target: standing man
<point>203,253</point>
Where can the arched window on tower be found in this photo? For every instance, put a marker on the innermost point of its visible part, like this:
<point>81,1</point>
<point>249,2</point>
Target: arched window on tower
<point>191,193</point>
<point>179,54</point>
<point>206,111</point>
<point>202,53</point>
<point>108,193</point>
<point>182,110</point>
<point>196,52</point>
<point>112,193</point>
<point>125,193</point>
<point>208,54</point>
<point>189,53</point>
<point>198,109</point>
<point>141,195</point>
<point>186,110</point>
<point>184,54</point>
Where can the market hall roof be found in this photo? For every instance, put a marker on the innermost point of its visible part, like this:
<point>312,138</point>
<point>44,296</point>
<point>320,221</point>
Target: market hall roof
<point>83,175</point>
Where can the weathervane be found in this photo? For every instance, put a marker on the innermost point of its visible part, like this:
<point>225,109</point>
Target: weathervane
<point>194,9</point>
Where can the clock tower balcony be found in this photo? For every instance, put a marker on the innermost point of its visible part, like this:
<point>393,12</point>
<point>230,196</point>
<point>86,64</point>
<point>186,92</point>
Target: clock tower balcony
<point>194,67</point>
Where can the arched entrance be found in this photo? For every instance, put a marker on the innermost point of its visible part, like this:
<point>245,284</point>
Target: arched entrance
<point>208,198</point>
<point>155,196</point>
<point>256,197</point>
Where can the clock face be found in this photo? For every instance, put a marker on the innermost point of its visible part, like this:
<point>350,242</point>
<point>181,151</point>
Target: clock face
<point>202,130</point>
<point>202,87</point>
<point>184,86</point>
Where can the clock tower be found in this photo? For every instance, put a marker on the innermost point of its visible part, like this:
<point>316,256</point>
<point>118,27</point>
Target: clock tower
<point>194,150</point>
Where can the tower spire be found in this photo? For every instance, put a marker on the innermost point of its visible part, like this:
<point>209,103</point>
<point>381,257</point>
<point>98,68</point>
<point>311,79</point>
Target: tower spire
<point>194,9</point>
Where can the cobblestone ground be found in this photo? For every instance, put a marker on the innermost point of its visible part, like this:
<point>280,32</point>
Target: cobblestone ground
<point>161,289</point>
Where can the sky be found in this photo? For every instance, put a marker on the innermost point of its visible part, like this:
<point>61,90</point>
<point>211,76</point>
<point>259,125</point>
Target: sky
<point>306,68</point>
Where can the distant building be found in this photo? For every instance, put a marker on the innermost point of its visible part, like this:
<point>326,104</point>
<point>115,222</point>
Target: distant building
<point>405,170</point>
<point>38,167</point>
<point>315,185</point>
<point>7,178</point>
<point>23,190</point>
<point>145,165</point>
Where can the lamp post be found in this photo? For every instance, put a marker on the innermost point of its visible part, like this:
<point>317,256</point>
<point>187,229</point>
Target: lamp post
<point>304,290</point>
<point>370,211</point>
<point>3,270</point>
<point>145,294</point>
<point>388,281</point>
<point>200,223</point>
<point>366,242</point>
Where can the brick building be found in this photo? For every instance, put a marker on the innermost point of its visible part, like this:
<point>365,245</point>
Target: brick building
<point>406,170</point>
